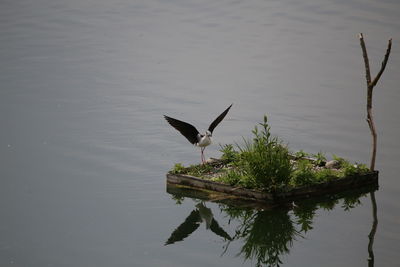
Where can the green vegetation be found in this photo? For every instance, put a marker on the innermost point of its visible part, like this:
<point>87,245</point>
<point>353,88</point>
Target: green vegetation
<point>264,160</point>
<point>301,154</point>
<point>320,159</point>
<point>178,169</point>
<point>194,170</point>
<point>228,153</point>
<point>264,163</point>
<point>303,174</point>
<point>232,177</point>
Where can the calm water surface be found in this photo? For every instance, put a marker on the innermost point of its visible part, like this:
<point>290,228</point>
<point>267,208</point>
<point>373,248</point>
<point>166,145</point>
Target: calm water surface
<point>84,148</point>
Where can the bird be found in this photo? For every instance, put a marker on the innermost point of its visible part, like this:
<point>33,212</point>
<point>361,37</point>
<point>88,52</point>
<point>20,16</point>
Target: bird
<point>193,135</point>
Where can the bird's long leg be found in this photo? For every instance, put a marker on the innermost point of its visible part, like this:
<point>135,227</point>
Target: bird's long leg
<point>202,155</point>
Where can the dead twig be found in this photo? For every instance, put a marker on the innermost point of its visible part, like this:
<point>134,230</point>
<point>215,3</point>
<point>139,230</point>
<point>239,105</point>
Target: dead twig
<point>370,86</point>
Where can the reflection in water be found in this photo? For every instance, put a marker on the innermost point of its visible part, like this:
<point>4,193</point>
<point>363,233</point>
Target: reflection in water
<point>193,221</point>
<point>267,234</point>
<point>371,235</point>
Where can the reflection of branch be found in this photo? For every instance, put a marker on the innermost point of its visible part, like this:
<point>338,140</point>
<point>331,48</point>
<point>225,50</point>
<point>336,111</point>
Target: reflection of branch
<point>371,235</point>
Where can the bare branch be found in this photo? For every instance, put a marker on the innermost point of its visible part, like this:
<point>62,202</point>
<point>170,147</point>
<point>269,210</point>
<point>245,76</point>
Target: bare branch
<point>385,60</point>
<point>366,61</point>
<point>371,125</point>
<point>370,87</point>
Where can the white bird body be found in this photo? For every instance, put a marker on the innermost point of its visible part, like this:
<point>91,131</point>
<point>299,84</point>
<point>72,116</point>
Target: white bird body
<point>204,140</point>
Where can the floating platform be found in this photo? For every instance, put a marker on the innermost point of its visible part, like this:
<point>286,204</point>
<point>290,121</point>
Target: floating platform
<point>367,181</point>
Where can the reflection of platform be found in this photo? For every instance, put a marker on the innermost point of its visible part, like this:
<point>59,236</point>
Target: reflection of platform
<point>212,190</point>
<point>218,197</point>
<point>266,233</point>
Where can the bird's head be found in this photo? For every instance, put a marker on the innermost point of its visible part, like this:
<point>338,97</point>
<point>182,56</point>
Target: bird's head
<point>208,133</point>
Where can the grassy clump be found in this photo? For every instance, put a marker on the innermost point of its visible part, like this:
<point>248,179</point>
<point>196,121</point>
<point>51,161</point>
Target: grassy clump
<point>261,163</point>
<point>265,163</point>
<point>320,159</point>
<point>232,177</point>
<point>308,172</point>
<point>229,154</point>
<point>178,169</point>
<point>265,159</point>
<point>349,169</point>
<point>201,170</point>
<point>303,174</point>
<point>301,154</point>
<point>324,175</point>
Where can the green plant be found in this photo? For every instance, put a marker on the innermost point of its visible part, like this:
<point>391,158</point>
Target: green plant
<point>320,159</point>
<point>303,174</point>
<point>324,175</point>
<point>199,170</point>
<point>362,168</point>
<point>265,160</point>
<point>301,154</point>
<point>264,163</point>
<point>354,169</point>
<point>347,168</point>
<point>231,177</point>
<point>343,163</point>
<point>178,169</point>
<point>228,153</point>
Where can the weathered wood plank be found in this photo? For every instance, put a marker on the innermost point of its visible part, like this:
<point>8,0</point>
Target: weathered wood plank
<point>369,179</point>
<point>196,182</point>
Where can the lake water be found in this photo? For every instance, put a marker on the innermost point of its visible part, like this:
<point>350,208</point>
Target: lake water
<point>84,148</point>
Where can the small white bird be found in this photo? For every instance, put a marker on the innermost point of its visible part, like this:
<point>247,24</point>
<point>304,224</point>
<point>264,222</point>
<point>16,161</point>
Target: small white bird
<point>193,135</point>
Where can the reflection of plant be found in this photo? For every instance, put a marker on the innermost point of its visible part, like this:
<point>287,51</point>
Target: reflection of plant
<point>328,205</point>
<point>350,203</point>
<point>269,234</point>
<point>267,237</point>
<point>305,215</point>
<point>178,199</point>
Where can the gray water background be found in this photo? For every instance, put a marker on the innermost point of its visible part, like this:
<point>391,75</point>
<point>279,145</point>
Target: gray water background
<point>84,148</point>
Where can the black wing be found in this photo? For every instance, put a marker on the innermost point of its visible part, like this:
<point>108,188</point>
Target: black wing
<point>219,119</point>
<point>186,129</point>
